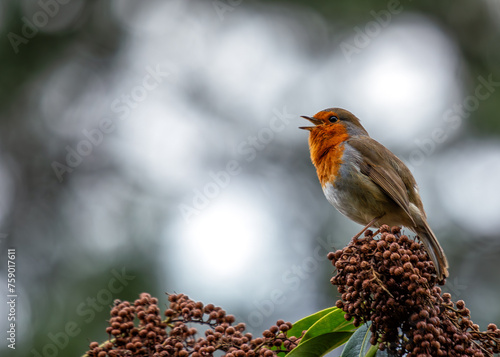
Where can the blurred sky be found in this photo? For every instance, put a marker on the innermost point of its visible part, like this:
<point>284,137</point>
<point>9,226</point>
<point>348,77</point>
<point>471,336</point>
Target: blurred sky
<point>158,142</point>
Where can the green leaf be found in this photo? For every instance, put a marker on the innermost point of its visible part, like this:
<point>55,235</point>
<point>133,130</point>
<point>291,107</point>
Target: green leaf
<point>320,345</point>
<point>334,321</point>
<point>373,351</point>
<point>308,321</point>
<point>359,344</point>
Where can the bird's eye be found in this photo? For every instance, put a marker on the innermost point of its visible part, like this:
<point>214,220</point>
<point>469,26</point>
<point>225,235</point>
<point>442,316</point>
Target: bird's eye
<point>333,119</point>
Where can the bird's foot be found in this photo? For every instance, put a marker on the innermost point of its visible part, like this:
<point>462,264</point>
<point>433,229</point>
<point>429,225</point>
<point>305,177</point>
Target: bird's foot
<point>355,238</point>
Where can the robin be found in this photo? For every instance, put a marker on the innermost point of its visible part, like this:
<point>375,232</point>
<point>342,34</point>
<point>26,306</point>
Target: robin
<point>365,181</point>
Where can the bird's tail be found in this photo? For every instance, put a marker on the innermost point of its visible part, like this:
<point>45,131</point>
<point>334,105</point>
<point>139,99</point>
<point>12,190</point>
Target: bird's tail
<point>433,248</point>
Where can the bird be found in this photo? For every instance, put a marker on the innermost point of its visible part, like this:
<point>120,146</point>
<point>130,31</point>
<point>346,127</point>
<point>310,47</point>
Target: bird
<point>366,182</point>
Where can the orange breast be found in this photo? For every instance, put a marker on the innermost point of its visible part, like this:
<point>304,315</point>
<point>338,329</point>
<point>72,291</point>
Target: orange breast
<point>327,149</point>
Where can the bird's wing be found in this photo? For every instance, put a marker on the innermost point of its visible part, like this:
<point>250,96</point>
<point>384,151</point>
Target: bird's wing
<point>384,169</point>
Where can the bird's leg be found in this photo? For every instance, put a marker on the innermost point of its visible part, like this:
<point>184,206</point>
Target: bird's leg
<point>365,228</point>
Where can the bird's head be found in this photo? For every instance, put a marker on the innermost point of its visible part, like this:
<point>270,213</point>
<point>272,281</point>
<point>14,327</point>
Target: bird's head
<point>334,121</point>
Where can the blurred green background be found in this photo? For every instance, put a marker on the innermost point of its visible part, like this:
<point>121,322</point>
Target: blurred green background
<point>153,146</point>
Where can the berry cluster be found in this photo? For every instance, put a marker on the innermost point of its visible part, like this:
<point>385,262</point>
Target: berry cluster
<point>177,336</point>
<point>391,282</point>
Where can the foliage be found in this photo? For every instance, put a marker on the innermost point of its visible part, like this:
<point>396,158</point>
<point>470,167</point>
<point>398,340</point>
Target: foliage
<point>390,306</point>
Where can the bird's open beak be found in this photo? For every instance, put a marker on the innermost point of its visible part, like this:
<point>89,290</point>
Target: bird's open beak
<point>312,120</point>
